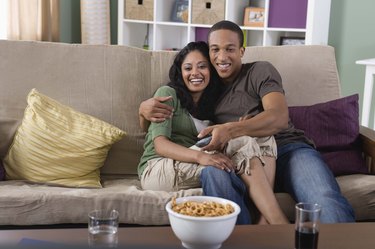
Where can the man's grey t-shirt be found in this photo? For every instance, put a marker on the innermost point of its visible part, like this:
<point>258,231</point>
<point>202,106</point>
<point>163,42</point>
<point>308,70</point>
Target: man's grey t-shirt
<point>244,97</point>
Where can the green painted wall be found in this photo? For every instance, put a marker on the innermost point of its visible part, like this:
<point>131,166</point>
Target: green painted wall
<point>70,21</point>
<point>352,33</point>
<point>114,21</point>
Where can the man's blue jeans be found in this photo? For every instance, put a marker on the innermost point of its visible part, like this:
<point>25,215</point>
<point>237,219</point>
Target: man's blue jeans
<point>219,183</point>
<point>300,171</point>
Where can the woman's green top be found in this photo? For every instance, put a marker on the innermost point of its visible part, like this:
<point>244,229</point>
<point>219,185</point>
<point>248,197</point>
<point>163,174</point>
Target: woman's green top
<point>180,129</point>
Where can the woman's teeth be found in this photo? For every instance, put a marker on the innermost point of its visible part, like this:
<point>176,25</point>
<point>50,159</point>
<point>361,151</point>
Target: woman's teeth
<point>196,81</point>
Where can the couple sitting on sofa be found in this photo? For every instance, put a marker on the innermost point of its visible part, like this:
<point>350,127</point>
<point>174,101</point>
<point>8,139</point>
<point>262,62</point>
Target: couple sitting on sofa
<point>250,110</point>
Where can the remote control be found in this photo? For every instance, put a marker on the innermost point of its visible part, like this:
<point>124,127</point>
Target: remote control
<point>204,141</point>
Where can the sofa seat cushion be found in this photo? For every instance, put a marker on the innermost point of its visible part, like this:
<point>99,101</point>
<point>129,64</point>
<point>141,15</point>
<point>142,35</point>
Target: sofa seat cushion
<point>23,203</point>
<point>359,189</point>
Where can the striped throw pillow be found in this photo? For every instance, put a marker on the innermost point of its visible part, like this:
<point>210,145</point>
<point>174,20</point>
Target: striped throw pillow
<point>57,145</point>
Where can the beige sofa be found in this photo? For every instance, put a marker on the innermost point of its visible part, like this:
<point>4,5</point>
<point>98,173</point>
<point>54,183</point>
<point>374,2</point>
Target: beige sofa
<point>109,82</point>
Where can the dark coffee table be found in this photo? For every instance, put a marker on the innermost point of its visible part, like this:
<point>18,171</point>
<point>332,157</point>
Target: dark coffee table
<point>341,236</point>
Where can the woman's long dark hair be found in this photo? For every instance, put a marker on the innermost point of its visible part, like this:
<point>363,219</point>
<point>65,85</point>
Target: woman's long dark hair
<point>206,105</point>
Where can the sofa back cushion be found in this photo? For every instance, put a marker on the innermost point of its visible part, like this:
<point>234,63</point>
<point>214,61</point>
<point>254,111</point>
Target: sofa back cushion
<point>109,82</point>
<point>309,73</point>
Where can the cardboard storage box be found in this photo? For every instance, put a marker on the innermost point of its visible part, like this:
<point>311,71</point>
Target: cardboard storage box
<point>208,12</point>
<point>139,9</point>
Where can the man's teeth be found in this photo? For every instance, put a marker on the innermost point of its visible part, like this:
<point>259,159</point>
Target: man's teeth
<point>224,65</point>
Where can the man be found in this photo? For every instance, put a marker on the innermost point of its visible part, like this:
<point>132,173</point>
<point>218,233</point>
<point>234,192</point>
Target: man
<point>254,92</point>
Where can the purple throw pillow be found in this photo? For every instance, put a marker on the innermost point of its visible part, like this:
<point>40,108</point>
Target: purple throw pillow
<point>334,128</point>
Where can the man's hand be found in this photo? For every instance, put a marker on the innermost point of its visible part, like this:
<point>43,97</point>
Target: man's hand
<point>245,117</point>
<point>154,110</point>
<point>220,137</point>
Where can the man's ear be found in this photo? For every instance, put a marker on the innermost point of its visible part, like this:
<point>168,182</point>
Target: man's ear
<point>242,51</point>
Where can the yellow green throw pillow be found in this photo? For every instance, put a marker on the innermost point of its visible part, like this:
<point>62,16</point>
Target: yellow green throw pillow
<point>57,145</point>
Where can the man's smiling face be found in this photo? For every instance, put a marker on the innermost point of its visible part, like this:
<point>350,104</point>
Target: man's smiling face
<point>226,53</point>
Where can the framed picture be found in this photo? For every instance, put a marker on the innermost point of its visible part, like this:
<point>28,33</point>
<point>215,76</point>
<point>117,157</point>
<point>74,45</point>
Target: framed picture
<point>180,11</point>
<point>253,17</point>
<point>287,40</point>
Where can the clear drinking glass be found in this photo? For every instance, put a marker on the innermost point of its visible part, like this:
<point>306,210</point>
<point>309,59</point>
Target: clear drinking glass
<point>307,225</point>
<point>103,226</point>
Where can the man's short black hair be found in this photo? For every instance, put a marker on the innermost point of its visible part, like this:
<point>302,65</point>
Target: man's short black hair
<point>228,25</point>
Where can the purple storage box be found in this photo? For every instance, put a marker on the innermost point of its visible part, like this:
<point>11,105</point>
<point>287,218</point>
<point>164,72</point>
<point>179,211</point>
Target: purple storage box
<point>287,14</point>
<point>201,34</point>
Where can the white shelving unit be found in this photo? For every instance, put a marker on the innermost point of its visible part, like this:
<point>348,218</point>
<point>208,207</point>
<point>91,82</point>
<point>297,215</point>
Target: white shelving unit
<point>162,33</point>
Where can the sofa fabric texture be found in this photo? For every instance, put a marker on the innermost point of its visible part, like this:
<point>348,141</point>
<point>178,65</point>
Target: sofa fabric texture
<point>2,171</point>
<point>109,82</point>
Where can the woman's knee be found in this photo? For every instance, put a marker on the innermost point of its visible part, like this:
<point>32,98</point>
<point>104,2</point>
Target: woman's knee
<point>159,175</point>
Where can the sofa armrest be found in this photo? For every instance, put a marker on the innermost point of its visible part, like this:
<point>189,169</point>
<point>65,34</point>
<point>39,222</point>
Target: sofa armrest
<point>367,136</point>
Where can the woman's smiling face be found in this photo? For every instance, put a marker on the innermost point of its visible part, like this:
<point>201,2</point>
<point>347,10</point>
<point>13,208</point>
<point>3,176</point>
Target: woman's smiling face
<point>196,73</point>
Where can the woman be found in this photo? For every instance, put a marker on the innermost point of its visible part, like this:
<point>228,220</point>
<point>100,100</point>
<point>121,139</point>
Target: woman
<point>170,163</point>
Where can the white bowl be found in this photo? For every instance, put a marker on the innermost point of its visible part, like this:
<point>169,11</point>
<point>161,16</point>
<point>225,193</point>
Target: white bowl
<point>202,232</point>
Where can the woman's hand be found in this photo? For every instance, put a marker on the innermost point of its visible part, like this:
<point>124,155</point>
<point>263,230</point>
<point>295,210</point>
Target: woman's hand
<point>218,160</point>
<point>166,148</point>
